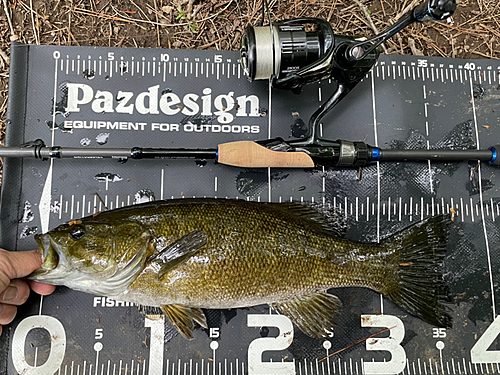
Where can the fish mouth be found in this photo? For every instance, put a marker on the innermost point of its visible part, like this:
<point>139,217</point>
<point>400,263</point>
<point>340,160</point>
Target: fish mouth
<point>49,252</point>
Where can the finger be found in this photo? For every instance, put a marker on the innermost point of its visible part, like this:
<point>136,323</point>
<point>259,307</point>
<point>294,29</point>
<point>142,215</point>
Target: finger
<point>16,293</point>
<point>7,313</point>
<point>41,288</point>
<point>19,264</point>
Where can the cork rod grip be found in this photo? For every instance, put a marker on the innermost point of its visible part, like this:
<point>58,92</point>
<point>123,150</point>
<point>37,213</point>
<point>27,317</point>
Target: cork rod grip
<point>252,155</point>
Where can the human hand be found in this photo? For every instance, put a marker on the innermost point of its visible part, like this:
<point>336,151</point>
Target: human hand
<point>13,290</point>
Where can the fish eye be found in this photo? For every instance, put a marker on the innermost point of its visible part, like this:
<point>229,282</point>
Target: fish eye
<point>77,232</point>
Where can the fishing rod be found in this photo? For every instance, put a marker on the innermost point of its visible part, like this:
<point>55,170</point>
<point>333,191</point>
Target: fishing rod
<point>299,57</point>
<point>259,154</point>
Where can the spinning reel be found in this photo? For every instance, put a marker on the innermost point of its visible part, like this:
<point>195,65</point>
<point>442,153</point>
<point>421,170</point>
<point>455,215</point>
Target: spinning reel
<point>290,56</point>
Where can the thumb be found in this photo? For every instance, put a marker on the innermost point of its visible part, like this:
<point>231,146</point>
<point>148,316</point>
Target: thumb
<point>17,264</point>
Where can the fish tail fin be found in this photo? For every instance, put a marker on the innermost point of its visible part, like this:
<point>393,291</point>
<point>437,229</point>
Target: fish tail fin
<point>418,284</point>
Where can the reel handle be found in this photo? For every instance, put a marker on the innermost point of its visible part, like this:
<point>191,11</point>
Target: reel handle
<point>436,10</point>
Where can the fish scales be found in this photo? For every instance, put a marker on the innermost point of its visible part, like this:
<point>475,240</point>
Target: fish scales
<point>187,254</point>
<point>252,256</point>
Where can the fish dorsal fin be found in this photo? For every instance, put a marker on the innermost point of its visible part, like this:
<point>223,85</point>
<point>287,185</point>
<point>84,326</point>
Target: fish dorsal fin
<point>179,251</point>
<point>314,217</point>
<point>183,318</point>
<point>312,313</point>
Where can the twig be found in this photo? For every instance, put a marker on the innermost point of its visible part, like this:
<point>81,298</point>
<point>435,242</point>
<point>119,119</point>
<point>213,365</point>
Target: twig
<point>255,9</point>
<point>437,49</point>
<point>217,32</point>
<point>404,5</point>
<point>156,26</point>
<point>400,40</point>
<point>37,40</point>
<point>69,29</point>
<point>211,43</point>
<point>484,55</point>
<point>100,199</point>
<point>480,5</point>
<point>383,9</point>
<point>334,4</point>
<point>469,31</point>
<point>368,17</point>
<point>356,343</point>
<point>140,10</point>
<point>170,24</point>
<point>4,105</point>
<point>101,15</point>
<point>4,56</point>
<point>73,37</point>
<point>189,9</point>
<point>406,10</point>
<point>414,50</point>
<point>13,35</point>
<point>110,34</point>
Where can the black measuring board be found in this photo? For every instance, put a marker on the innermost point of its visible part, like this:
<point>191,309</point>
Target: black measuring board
<point>112,97</point>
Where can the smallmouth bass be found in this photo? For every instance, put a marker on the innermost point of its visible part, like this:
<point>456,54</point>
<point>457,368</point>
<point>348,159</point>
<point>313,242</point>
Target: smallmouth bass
<point>188,254</point>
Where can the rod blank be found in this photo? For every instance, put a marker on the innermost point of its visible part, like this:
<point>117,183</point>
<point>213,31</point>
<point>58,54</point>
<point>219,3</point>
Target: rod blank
<point>57,152</point>
<point>435,155</point>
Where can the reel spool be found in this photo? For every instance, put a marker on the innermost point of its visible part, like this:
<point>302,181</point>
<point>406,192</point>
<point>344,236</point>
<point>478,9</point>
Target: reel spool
<point>291,56</point>
<point>292,49</point>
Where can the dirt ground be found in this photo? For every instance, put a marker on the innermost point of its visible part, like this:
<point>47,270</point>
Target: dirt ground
<point>473,32</point>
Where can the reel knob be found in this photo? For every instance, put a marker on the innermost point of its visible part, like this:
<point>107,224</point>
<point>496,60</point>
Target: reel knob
<point>442,9</point>
<point>437,10</point>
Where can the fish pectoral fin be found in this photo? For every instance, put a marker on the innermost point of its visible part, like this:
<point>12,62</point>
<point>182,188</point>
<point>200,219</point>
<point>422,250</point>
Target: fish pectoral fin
<point>179,251</point>
<point>183,317</point>
<point>312,313</point>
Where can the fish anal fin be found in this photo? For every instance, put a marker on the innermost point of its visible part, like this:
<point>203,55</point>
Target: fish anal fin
<point>312,313</point>
<point>149,310</point>
<point>179,251</point>
<point>199,317</point>
<point>182,318</point>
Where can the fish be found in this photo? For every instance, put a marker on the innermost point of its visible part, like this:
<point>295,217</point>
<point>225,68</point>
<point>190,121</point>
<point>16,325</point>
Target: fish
<point>186,255</point>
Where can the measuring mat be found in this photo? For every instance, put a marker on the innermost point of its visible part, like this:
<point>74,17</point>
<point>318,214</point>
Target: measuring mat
<point>111,97</point>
